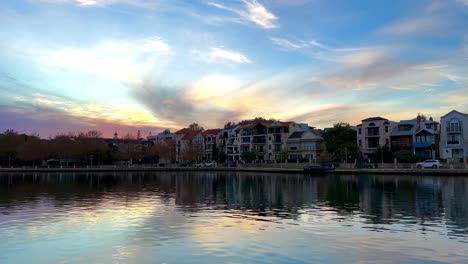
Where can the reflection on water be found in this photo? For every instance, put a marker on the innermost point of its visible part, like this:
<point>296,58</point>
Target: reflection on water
<point>228,217</point>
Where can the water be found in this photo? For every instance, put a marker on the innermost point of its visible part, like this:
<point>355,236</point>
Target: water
<point>234,218</point>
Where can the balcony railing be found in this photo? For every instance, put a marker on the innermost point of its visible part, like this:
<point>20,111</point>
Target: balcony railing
<point>453,142</point>
<point>454,129</point>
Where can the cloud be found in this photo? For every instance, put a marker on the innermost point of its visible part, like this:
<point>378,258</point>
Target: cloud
<point>126,61</point>
<point>103,3</point>
<point>217,54</point>
<point>298,45</point>
<point>416,26</point>
<point>177,104</point>
<point>253,11</point>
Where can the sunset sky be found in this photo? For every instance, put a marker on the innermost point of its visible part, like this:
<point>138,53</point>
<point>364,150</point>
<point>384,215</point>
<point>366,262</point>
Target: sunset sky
<point>124,65</point>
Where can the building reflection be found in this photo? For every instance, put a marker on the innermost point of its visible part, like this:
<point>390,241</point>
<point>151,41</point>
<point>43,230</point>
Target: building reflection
<point>378,200</point>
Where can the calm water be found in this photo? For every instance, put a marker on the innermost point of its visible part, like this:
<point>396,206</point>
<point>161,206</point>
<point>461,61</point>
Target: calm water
<point>229,217</point>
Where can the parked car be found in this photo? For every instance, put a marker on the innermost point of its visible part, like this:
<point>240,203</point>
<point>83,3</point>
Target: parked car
<point>199,164</point>
<point>429,164</point>
<point>211,164</point>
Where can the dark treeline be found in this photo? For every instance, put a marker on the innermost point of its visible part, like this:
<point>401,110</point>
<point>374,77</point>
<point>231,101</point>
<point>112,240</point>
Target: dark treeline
<point>72,149</point>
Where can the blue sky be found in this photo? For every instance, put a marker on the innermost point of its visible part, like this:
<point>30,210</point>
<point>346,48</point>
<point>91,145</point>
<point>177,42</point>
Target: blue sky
<point>123,65</point>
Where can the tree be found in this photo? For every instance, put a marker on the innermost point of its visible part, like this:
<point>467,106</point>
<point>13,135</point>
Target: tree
<point>340,141</point>
<point>405,156</point>
<point>229,124</point>
<point>196,127</point>
<point>10,140</point>
<point>249,156</point>
<point>283,155</point>
<point>33,149</point>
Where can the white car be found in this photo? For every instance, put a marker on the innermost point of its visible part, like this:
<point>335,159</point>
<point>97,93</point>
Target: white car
<point>429,164</point>
<point>211,164</point>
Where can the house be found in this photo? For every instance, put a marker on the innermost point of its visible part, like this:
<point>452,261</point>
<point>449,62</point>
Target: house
<point>372,133</point>
<point>419,135</point>
<point>305,145</point>
<point>189,145</point>
<point>454,136</point>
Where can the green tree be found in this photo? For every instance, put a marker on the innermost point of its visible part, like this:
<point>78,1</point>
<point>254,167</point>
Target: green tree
<point>341,141</point>
<point>405,156</point>
<point>283,155</point>
<point>249,156</point>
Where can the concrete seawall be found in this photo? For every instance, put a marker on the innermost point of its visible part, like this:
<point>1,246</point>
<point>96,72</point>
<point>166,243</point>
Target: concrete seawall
<point>447,172</point>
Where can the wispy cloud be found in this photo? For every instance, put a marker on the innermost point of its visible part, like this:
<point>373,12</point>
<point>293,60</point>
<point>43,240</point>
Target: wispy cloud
<point>218,54</point>
<point>415,26</point>
<point>285,43</point>
<point>102,3</point>
<point>253,11</point>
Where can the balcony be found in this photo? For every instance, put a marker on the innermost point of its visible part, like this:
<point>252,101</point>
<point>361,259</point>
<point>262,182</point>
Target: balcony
<point>455,130</point>
<point>453,142</point>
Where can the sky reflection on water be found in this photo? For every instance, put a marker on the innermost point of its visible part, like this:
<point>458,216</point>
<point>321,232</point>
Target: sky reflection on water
<point>229,217</point>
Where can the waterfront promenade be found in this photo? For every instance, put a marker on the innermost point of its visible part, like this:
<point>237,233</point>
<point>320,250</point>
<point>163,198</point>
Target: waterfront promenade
<point>292,170</point>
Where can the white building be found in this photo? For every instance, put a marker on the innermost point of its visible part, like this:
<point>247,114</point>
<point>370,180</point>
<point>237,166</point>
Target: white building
<point>454,136</point>
<point>372,133</point>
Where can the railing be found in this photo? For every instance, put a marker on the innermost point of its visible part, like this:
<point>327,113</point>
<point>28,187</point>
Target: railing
<point>453,142</point>
<point>454,129</point>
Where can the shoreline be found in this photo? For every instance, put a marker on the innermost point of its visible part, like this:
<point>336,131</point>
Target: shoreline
<point>422,172</point>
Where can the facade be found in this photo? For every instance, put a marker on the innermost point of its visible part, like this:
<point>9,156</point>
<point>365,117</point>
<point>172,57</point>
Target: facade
<point>372,133</point>
<point>267,139</point>
<point>305,145</point>
<point>213,141</point>
<point>454,136</point>
<point>231,143</point>
<point>189,145</point>
<point>418,135</point>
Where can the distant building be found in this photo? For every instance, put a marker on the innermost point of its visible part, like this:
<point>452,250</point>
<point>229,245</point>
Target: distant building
<point>418,135</point>
<point>454,136</point>
<point>159,138</point>
<point>372,133</point>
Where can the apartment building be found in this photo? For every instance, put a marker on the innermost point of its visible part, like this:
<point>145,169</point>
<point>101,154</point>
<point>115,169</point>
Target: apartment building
<point>454,136</point>
<point>213,143</point>
<point>372,133</point>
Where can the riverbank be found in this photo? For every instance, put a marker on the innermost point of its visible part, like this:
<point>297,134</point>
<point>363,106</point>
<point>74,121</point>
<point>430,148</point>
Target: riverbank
<point>448,172</point>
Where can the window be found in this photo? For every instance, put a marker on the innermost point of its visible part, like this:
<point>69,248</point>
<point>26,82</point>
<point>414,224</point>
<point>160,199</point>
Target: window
<point>386,129</point>
<point>453,139</point>
<point>359,131</point>
<point>269,146</point>
<point>360,142</point>
<point>386,142</point>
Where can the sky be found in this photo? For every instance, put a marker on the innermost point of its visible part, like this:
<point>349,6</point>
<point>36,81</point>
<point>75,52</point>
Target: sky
<point>127,65</point>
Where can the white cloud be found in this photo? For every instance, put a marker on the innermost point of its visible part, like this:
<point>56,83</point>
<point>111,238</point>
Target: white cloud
<point>217,54</point>
<point>118,60</point>
<point>299,45</point>
<point>253,12</point>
